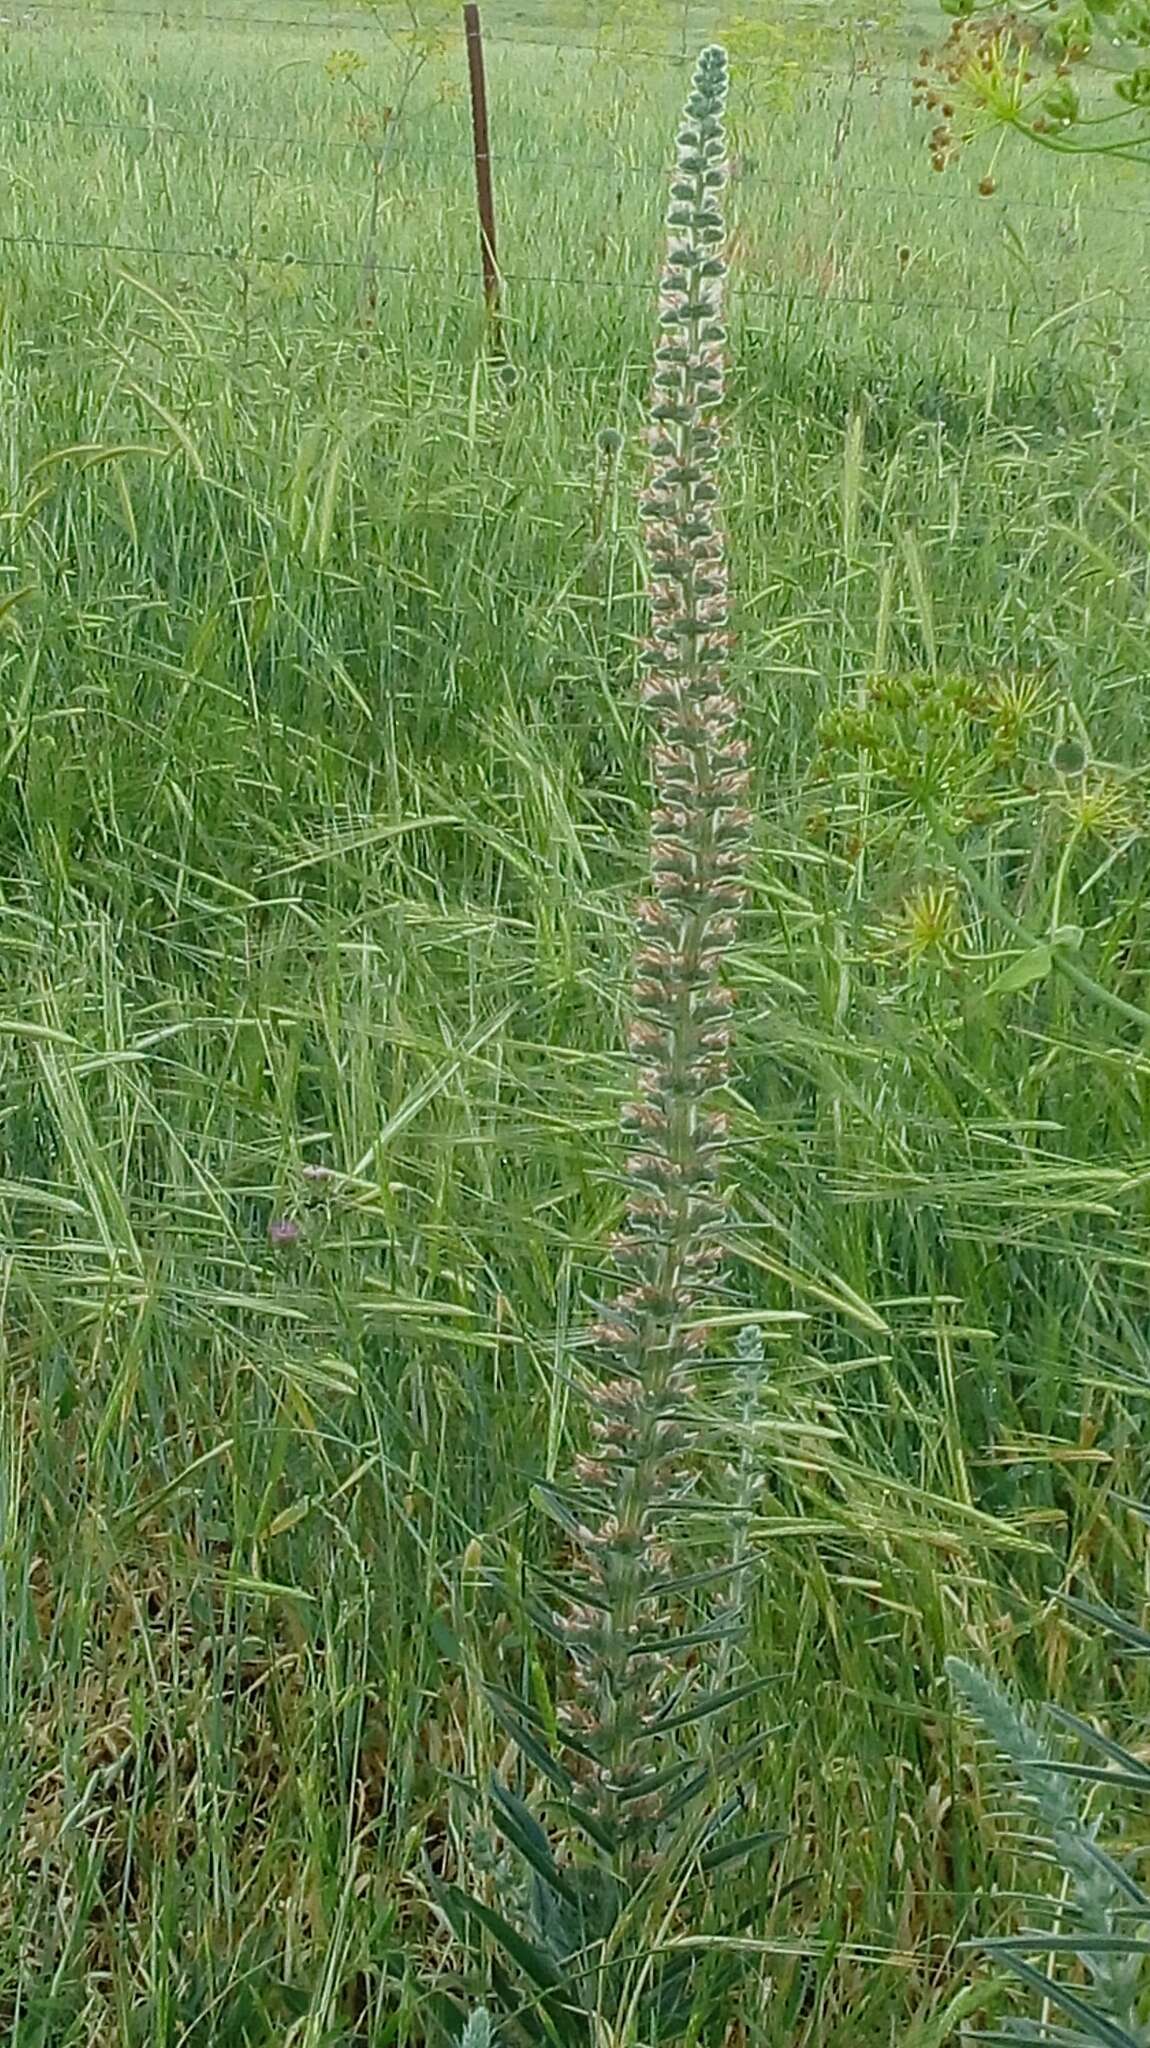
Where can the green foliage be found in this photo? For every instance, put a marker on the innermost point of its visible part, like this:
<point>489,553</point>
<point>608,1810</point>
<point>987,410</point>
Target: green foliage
<point>966,740</point>
<point>1062,102</point>
<point>1103,1913</point>
<point>1008,71</point>
<point>1135,87</point>
<point>971,758</point>
<point>321,824</point>
<point>776,50</point>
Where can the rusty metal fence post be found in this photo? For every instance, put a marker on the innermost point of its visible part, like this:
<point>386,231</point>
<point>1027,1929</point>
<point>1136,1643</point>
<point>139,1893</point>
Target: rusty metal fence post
<point>483,191</point>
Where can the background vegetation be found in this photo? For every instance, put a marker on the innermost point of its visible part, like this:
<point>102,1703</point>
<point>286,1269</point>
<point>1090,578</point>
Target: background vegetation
<point>324,805</point>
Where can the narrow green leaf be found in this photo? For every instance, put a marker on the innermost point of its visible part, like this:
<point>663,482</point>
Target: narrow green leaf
<point>716,1632</point>
<point>1027,2032</point>
<point>1097,1740</point>
<point>532,1747</point>
<point>711,1703</point>
<point>1029,967</point>
<point>654,1781</point>
<point>1083,1944</point>
<point>1092,1774</point>
<point>459,1912</point>
<point>596,1830</point>
<point>689,1581</point>
<point>737,1852</point>
<point>527,2020</point>
<point>698,1783</point>
<point>524,1833</point>
<point>538,1968</point>
<point>1107,1618</point>
<point>1105,2033</point>
<point>555,1508</point>
<point>445,1639</point>
<point>1115,1872</point>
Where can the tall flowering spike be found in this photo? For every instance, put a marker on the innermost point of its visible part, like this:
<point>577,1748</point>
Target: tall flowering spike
<point>622,1623</point>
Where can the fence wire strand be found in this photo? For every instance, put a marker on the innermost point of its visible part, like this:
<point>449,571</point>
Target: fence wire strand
<point>463,283</point>
<point>398,32</point>
<point>835,193</point>
<point>400,153</point>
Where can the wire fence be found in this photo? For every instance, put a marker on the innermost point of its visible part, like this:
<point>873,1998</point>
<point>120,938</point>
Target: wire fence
<point>370,22</point>
<point>402,152</point>
<point>462,283</point>
<point>398,145</point>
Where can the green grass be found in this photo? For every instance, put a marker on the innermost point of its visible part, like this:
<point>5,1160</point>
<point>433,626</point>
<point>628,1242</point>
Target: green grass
<point>323,805</point>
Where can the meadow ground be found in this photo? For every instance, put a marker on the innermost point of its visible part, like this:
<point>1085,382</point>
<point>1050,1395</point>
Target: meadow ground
<point>323,805</point>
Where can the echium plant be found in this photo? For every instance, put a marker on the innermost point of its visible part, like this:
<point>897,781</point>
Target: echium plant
<point>636,1819</point>
<point>1103,1914</point>
<point>622,1624</point>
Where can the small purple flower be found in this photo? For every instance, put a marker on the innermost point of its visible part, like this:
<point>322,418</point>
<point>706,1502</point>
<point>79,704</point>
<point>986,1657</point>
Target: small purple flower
<point>284,1230</point>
